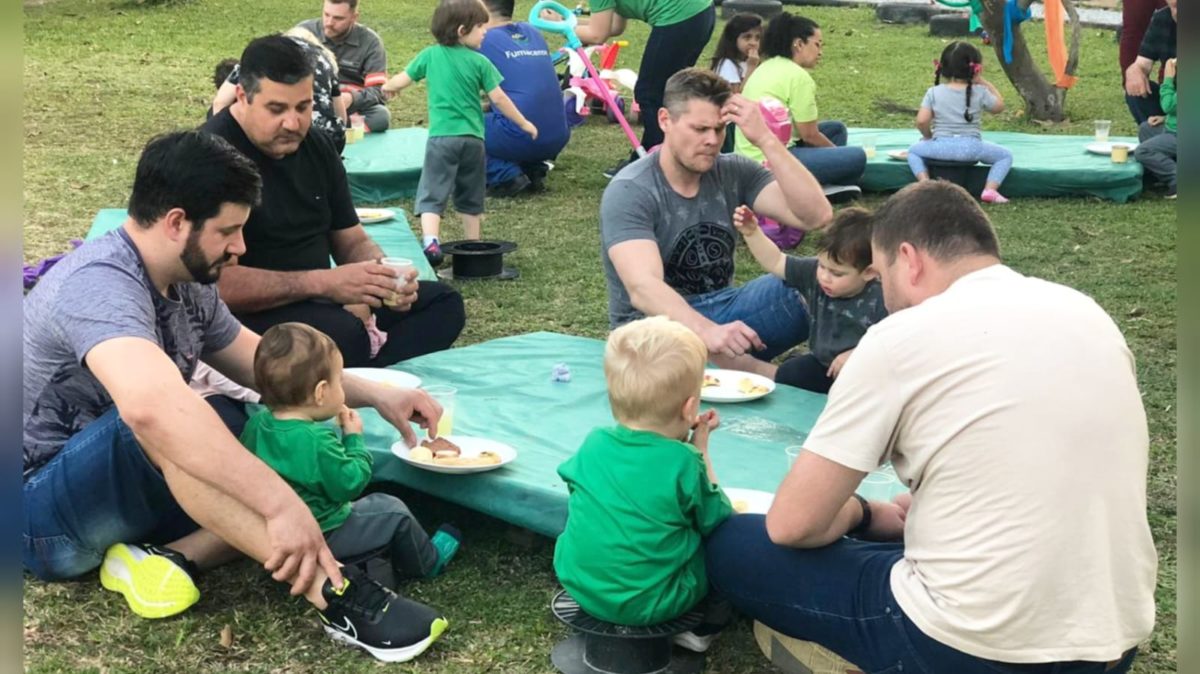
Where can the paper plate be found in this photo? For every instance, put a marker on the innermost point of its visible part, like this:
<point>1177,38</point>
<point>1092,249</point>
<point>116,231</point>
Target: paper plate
<point>385,376</point>
<point>729,390</point>
<point>470,447</point>
<point>370,216</point>
<point>749,501</point>
<point>898,155</point>
<point>1106,148</point>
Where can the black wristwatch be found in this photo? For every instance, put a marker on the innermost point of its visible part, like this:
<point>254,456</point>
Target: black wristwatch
<point>865,522</point>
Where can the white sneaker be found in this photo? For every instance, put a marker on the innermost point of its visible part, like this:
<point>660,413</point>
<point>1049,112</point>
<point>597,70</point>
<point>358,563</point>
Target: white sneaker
<point>694,642</point>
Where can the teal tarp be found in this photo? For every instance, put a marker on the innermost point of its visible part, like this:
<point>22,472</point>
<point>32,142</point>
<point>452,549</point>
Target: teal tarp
<point>393,236</point>
<point>505,393</point>
<point>1043,165</point>
<point>385,166</point>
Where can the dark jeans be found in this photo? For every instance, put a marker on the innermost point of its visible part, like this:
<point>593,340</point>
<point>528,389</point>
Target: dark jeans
<point>840,597</point>
<point>99,490</point>
<point>839,165</point>
<point>383,521</point>
<point>432,324</point>
<point>669,49</point>
<point>804,372</point>
<point>1144,107</point>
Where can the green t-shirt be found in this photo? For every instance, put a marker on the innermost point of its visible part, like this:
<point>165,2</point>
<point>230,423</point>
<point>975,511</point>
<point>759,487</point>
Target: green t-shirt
<point>654,12</point>
<point>639,504</point>
<point>456,75</point>
<point>327,473</point>
<point>785,81</point>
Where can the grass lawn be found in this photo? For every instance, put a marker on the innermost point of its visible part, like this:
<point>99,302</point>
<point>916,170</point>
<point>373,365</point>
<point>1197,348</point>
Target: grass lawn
<point>102,76</point>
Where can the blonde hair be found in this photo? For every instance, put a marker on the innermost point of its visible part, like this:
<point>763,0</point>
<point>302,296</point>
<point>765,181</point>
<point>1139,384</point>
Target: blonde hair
<point>652,366</point>
<point>296,32</point>
<point>291,359</point>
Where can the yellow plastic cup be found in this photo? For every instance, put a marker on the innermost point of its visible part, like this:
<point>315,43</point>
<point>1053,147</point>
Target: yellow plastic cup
<point>1120,153</point>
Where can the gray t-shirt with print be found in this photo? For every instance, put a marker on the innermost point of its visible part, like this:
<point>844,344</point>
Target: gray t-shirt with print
<point>835,323</point>
<point>99,292</point>
<point>948,105</point>
<point>695,236</point>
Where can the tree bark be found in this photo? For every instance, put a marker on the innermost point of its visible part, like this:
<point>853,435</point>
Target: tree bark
<point>1043,99</point>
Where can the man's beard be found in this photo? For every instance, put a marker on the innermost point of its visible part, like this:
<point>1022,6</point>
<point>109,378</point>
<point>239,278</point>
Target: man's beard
<point>201,269</point>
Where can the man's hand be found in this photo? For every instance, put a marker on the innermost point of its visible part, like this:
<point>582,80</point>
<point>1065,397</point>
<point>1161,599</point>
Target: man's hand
<point>366,283</point>
<point>1136,82</point>
<point>406,294</point>
<point>1169,71</point>
<point>298,549</point>
<point>835,367</point>
<point>744,220</point>
<point>748,117</point>
<point>887,521</point>
<point>731,339</point>
<point>402,405</point>
<point>350,421</point>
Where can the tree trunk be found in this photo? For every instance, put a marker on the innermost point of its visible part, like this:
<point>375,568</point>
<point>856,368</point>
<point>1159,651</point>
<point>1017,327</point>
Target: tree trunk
<point>1043,100</point>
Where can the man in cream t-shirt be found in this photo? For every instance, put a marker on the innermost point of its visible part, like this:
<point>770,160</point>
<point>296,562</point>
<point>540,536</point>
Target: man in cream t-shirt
<point>1009,405</point>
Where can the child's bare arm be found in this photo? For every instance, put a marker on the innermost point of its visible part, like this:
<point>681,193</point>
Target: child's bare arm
<point>505,105</point>
<point>764,250</point>
<point>925,122</point>
<point>397,83</point>
<point>705,424</point>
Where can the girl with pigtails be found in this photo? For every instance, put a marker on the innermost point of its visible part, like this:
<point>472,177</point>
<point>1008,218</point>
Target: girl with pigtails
<point>949,119</point>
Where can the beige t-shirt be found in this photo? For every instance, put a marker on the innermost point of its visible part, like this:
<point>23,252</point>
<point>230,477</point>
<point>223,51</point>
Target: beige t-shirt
<point>1010,407</point>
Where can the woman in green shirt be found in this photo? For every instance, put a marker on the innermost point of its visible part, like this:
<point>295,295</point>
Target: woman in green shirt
<point>680,29</point>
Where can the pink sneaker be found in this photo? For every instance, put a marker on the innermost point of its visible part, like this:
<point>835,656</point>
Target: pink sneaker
<point>993,197</point>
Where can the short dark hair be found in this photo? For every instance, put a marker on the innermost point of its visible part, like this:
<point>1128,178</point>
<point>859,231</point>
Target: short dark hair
<point>937,216</point>
<point>504,8</point>
<point>221,72</point>
<point>450,14</point>
<point>192,170</point>
<point>353,3</point>
<point>847,240</point>
<point>275,57</point>
<point>782,31</point>
<point>291,359</point>
<point>692,83</point>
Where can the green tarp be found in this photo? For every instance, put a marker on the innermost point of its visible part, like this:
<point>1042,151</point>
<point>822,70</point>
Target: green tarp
<point>1043,165</point>
<point>385,166</point>
<point>393,236</point>
<point>505,393</point>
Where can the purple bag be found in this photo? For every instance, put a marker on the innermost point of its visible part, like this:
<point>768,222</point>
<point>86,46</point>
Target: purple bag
<point>786,238</point>
<point>31,273</point>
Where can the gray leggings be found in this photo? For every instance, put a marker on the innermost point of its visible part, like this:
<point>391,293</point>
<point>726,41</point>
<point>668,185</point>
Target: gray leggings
<point>383,521</point>
<point>961,148</point>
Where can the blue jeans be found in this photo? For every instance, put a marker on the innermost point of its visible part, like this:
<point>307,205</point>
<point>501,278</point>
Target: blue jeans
<point>840,596</point>
<point>100,489</point>
<point>775,311</point>
<point>839,165</point>
<point>511,152</point>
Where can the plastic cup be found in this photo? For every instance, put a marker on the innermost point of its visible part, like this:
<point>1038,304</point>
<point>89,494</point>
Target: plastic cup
<point>445,395</point>
<point>351,136</point>
<point>868,146</point>
<point>1120,153</point>
<point>791,453</point>
<point>1102,127</point>
<point>402,265</point>
<point>880,484</point>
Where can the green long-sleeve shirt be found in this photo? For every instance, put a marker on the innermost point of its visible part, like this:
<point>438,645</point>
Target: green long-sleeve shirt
<point>1166,98</point>
<point>326,472</point>
<point>639,505</point>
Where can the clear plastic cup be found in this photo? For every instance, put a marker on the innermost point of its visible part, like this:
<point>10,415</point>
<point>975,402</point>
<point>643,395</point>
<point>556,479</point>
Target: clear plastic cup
<point>880,484</point>
<point>791,453</point>
<point>868,146</point>
<point>1102,127</point>
<point>402,265</point>
<point>446,397</point>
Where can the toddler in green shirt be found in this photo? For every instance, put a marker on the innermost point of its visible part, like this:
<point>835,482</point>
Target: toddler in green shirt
<point>454,153</point>
<point>298,371</point>
<point>643,494</point>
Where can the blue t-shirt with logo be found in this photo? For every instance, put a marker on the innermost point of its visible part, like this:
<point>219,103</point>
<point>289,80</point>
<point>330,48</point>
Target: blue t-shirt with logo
<point>520,53</point>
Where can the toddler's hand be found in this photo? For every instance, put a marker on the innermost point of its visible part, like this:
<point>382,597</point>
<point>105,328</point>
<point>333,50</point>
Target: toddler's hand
<point>835,368</point>
<point>744,220</point>
<point>1169,71</point>
<point>706,422</point>
<point>530,129</point>
<point>350,421</point>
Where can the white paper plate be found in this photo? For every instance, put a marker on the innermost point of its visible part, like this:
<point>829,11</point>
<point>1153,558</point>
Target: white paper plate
<point>749,501</point>
<point>728,391</point>
<point>386,376</point>
<point>1106,148</point>
<point>370,216</point>
<point>470,447</point>
<point>898,155</point>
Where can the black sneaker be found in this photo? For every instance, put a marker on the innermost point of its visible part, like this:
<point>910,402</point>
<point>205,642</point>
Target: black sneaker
<point>365,614</point>
<point>433,253</point>
<point>612,171</point>
<point>509,188</point>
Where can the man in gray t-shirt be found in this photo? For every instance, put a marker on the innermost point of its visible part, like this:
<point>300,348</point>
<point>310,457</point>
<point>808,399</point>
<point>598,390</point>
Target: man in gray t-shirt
<point>666,226</point>
<point>361,59</point>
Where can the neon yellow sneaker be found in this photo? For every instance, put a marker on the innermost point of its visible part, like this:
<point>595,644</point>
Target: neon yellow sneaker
<point>794,656</point>
<point>155,580</point>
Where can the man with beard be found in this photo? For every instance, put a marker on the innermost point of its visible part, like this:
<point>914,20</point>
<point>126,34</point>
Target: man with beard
<point>307,217</point>
<point>666,226</point>
<point>361,59</point>
<point>123,463</point>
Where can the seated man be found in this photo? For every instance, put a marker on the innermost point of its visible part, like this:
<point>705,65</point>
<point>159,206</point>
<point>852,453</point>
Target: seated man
<point>1158,45</point>
<point>361,61</point>
<point>667,235</point>
<point>127,469</point>
<point>305,217</point>
<point>519,52</point>
<point>1010,406</point>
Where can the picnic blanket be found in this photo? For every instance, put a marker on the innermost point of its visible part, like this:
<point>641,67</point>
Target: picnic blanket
<point>393,236</point>
<point>1043,165</point>
<point>505,393</point>
<point>385,166</point>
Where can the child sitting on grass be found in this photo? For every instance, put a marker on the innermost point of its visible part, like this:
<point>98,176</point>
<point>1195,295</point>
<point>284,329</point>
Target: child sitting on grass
<point>454,153</point>
<point>643,493</point>
<point>298,370</point>
<point>1159,146</point>
<point>839,287</point>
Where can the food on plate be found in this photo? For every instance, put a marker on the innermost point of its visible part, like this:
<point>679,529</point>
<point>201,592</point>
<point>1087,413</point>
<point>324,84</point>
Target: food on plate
<point>442,452</point>
<point>442,448</point>
<point>741,506</point>
<point>484,458</point>
<point>371,213</point>
<point>747,386</point>
<point>422,454</point>
<point>710,380</point>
